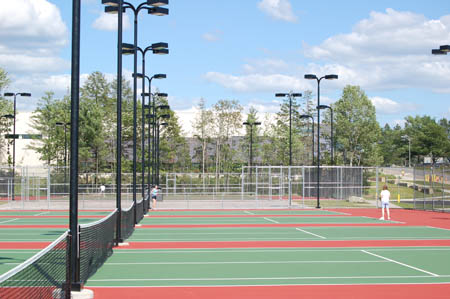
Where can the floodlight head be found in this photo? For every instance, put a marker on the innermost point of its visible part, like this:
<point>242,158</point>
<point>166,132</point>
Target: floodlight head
<point>158,11</point>
<point>331,77</point>
<point>110,2</point>
<point>8,94</point>
<point>127,52</point>
<point>137,75</point>
<point>164,124</point>
<point>145,94</point>
<point>165,107</point>
<point>310,77</point>
<point>160,76</point>
<point>303,116</point>
<point>58,123</point>
<point>157,2</point>
<point>281,95</point>
<point>438,52</point>
<point>112,9</point>
<point>323,107</point>
<point>159,46</point>
<point>10,116</point>
<point>165,116</point>
<point>126,46</point>
<point>445,48</point>
<point>25,94</point>
<point>296,94</point>
<point>162,95</point>
<point>161,51</point>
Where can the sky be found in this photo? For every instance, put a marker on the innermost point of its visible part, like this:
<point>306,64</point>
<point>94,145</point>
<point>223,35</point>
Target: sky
<point>243,50</point>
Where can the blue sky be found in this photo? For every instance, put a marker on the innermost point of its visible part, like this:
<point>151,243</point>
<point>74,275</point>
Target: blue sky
<point>245,50</point>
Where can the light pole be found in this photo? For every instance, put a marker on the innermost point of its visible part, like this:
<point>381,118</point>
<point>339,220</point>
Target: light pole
<point>64,124</point>
<point>251,124</point>
<point>149,94</point>
<point>11,94</point>
<point>314,77</point>
<point>409,149</point>
<point>332,139</point>
<point>290,96</point>
<point>304,116</point>
<point>119,6</point>
<point>157,124</point>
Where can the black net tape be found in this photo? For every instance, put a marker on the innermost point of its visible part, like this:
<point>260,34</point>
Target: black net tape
<point>41,276</point>
<point>127,222</point>
<point>96,244</point>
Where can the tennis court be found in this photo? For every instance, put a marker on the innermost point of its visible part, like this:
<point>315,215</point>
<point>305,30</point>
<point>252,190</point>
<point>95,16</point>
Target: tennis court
<point>336,253</point>
<point>279,254</point>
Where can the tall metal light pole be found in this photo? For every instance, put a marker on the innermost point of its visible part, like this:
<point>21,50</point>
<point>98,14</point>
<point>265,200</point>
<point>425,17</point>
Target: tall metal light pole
<point>304,116</point>
<point>290,96</point>
<point>251,124</point>
<point>332,139</point>
<point>149,94</point>
<point>314,77</point>
<point>64,124</point>
<point>11,94</point>
<point>409,149</point>
<point>157,124</point>
<point>119,6</point>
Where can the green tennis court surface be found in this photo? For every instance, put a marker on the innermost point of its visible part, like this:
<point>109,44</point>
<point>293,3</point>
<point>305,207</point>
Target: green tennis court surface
<point>43,221</point>
<point>52,213</point>
<point>29,234</point>
<point>216,267</point>
<point>242,212</point>
<point>287,233</point>
<point>12,258</point>
<point>257,220</point>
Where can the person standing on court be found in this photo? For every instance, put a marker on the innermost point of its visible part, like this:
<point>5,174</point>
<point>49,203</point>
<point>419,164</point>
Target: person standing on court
<point>385,196</point>
<point>154,194</point>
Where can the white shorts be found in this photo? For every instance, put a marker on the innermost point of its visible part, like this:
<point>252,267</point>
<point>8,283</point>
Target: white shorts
<point>385,204</point>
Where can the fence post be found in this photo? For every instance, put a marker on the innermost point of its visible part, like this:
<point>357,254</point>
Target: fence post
<point>48,187</point>
<point>376,186</point>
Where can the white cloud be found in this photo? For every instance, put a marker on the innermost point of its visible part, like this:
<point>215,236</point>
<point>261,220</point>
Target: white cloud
<point>32,33</point>
<point>388,106</point>
<point>278,9</point>
<point>108,22</point>
<point>389,50</point>
<point>257,82</point>
<point>212,36</point>
<point>267,65</point>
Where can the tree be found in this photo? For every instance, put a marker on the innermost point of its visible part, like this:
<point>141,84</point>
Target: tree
<point>49,111</point>
<point>202,132</point>
<point>227,120</point>
<point>357,130</point>
<point>428,138</point>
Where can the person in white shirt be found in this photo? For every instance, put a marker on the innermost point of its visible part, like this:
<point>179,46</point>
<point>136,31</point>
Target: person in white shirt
<point>385,196</point>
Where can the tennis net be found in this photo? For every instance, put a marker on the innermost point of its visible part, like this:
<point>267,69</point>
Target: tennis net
<point>139,210</point>
<point>96,244</point>
<point>41,276</point>
<point>127,222</point>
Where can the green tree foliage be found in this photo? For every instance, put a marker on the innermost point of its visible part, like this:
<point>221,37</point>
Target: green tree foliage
<point>49,111</point>
<point>202,132</point>
<point>428,137</point>
<point>357,130</point>
<point>227,119</point>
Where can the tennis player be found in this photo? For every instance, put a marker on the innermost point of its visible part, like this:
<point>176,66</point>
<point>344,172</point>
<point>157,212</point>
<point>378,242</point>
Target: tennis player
<point>154,194</point>
<point>385,196</point>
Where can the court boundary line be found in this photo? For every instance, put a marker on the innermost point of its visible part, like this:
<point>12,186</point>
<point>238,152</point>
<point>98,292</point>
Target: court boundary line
<point>313,234</point>
<point>249,262</point>
<point>1,222</point>
<point>400,263</point>
<point>271,220</point>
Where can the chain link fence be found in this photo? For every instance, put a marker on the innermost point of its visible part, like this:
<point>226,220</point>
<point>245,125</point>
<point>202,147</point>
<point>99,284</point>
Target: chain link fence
<point>424,187</point>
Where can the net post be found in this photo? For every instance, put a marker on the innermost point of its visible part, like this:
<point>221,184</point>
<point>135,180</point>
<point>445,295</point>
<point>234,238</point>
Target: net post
<point>67,287</point>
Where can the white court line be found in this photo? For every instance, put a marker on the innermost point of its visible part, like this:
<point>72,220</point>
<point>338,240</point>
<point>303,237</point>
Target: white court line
<point>250,213</point>
<point>261,278</point>
<point>387,259</point>
<point>271,220</point>
<point>446,229</point>
<point>306,232</point>
<point>226,263</point>
<point>42,213</point>
<point>9,220</point>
